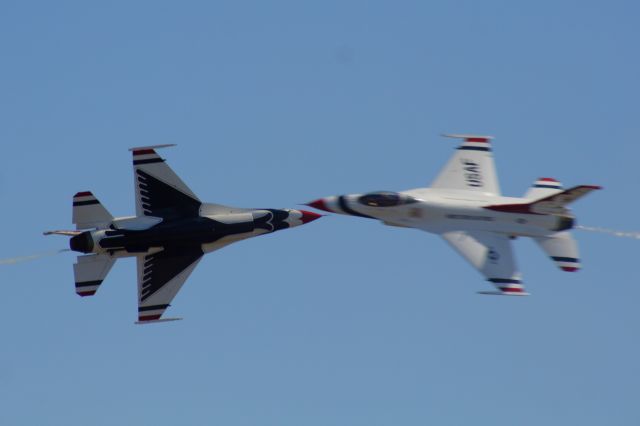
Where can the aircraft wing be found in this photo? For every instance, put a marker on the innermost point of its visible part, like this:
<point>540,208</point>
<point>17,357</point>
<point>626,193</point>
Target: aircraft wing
<point>159,191</point>
<point>160,277</point>
<point>492,255</point>
<point>471,168</point>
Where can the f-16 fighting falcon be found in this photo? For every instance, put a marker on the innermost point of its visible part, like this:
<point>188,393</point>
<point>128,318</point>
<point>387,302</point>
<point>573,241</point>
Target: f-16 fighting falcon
<point>169,234</point>
<point>465,207</point>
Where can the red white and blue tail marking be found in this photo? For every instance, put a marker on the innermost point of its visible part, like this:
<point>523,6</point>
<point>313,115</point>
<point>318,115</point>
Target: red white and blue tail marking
<point>509,286</point>
<point>543,187</point>
<point>567,264</point>
<point>549,183</point>
<point>474,143</point>
<point>470,168</point>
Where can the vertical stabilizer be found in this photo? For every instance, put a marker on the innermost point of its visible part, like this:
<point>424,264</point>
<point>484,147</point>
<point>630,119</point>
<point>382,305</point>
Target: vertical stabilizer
<point>471,168</point>
<point>90,271</point>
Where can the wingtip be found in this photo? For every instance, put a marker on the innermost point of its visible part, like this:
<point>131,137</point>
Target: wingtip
<point>466,136</point>
<point>141,148</point>
<point>157,321</point>
<point>503,293</point>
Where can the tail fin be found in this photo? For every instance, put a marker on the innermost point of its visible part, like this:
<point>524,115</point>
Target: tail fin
<point>543,187</point>
<point>88,212</point>
<point>90,271</point>
<point>562,249</point>
<point>552,204</point>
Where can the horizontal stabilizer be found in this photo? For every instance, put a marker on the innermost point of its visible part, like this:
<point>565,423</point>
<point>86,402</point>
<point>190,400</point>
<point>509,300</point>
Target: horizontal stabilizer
<point>553,204</point>
<point>90,271</point>
<point>562,249</point>
<point>88,212</point>
<point>492,255</point>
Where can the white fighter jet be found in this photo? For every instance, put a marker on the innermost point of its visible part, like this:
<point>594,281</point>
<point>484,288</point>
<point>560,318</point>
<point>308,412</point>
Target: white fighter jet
<point>169,234</point>
<point>465,207</point>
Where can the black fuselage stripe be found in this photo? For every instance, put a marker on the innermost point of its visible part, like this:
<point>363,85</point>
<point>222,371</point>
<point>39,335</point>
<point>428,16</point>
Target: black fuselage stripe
<point>85,203</point>
<point>88,283</point>
<point>475,148</point>
<point>565,259</point>
<point>504,281</point>
<point>342,202</point>
<point>148,161</point>
<point>152,308</point>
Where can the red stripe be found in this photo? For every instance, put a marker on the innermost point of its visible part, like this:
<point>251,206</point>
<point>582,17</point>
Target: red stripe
<point>476,140</point>
<point>547,180</point>
<point>512,289</point>
<point>149,317</point>
<point>569,268</point>
<point>83,194</point>
<point>87,293</point>
<point>143,152</point>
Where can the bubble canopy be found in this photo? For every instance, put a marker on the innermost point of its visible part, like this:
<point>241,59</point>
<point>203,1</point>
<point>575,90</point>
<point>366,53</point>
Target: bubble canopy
<point>385,199</point>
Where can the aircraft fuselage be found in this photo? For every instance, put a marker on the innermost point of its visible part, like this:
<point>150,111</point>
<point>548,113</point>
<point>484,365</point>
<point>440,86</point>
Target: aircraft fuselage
<point>125,238</point>
<point>439,211</point>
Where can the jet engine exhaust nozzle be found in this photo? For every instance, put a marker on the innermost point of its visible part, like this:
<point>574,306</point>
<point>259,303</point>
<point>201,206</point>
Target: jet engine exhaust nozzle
<point>82,243</point>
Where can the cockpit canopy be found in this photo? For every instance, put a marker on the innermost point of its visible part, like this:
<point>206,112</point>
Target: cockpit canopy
<point>385,199</point>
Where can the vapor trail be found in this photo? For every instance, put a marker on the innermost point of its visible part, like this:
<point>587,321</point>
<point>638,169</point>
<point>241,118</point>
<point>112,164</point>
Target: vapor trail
<point>620,234</point>
<point>20,259</point>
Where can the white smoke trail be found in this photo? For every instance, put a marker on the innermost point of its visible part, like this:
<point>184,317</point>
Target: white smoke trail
<point>20,259</point>
<point>620,234</point>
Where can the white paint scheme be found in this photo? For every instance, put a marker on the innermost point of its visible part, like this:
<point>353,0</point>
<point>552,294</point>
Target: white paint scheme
<point>465,207</point>
<point>91,215</point>
<point>90,271</point>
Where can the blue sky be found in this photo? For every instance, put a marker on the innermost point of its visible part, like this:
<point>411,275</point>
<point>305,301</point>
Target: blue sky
<point>342,321</point>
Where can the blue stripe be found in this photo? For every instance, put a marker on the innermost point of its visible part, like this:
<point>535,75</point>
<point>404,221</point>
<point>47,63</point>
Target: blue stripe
<point>343,205</point>
<point>85,203</point>
<point>152,308</point>
<point>565,259</point>
<point>547,186</point>
<point>88,283</point>
<point>504,281</point>
<point>149,161</point>
<point>475,148</point>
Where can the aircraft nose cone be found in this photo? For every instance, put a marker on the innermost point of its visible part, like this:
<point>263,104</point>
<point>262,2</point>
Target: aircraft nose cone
<point>309,216</point>
<point>319,204</point>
